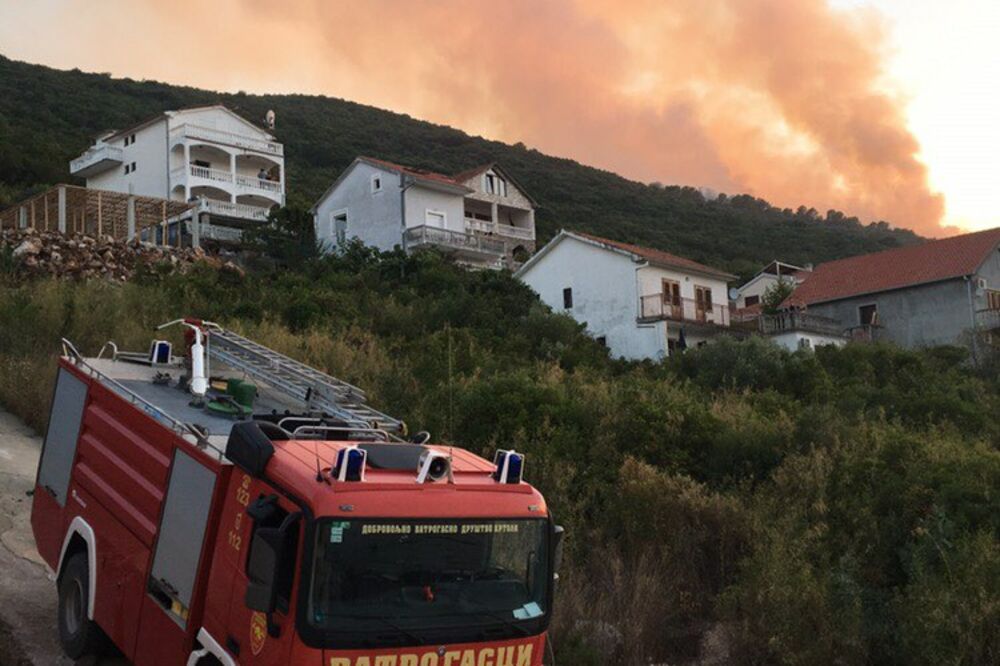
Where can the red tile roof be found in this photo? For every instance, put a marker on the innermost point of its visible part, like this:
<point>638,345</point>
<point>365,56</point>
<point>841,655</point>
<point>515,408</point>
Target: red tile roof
<point>932,261</point>
<point>659,257</point>
<point>412,171</point>
<point>463,176</point>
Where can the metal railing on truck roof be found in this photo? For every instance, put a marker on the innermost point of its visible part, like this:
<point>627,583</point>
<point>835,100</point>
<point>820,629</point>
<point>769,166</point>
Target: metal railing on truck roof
<point>182,429</point>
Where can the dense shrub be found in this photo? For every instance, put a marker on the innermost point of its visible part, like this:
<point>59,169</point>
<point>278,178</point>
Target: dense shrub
<point>808,508</point>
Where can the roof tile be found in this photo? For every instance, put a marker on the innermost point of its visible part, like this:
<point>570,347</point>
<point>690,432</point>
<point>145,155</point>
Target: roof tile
<point>659,256</point>
<point>932,261</point>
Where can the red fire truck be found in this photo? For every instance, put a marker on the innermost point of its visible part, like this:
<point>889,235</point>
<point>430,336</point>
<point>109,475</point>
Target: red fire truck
<point>230,505</point>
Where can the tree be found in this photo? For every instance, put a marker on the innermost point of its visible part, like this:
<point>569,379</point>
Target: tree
<point>776,294</point>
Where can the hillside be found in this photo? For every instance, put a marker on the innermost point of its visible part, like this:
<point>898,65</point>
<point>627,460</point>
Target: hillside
<point>49,116</point>
<point>807,508</point>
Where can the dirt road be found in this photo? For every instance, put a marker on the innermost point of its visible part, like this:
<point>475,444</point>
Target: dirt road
<point>28,634</point>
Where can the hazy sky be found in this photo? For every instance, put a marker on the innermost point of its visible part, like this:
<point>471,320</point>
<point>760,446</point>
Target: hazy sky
<point>885,109</point>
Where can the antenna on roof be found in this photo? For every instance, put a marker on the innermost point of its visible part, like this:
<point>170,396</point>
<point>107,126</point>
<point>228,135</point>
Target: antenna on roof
<point>269,119</point>
<point>319,469</point>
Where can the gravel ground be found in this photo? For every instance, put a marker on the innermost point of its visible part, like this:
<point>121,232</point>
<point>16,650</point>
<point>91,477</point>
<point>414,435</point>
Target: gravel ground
<point>28,635</point>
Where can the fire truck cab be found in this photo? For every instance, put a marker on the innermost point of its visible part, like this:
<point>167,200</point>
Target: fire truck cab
<point>241,508</point>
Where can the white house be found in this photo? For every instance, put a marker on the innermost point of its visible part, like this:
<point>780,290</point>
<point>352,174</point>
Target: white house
<point>207,153</point>
<point>751,293</point>
<point>640,302</point>
<point>480,216</point>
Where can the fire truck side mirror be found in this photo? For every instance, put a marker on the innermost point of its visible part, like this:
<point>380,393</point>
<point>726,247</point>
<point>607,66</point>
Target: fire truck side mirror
<point>249,448</point>
<point>557,543</point>
<point>262,570</point>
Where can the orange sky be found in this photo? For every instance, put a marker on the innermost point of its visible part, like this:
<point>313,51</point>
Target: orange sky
<point>790,100</point>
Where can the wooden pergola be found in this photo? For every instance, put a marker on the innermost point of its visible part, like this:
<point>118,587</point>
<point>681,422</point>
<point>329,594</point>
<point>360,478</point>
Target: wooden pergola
<point>68,209</point>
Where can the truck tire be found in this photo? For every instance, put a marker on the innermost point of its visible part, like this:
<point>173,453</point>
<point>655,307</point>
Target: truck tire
<point>78,635</point>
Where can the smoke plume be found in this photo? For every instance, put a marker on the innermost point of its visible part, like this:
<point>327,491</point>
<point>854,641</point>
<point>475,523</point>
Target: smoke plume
<point>784,99</point>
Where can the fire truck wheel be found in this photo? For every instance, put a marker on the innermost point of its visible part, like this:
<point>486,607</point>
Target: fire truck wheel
<point>78,635</point>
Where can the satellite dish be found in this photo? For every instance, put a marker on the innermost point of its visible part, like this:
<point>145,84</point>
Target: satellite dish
<point>269,119</point>
<point>734,294</point>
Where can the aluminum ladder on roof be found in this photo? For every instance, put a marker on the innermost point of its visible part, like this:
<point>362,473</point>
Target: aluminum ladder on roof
<point>318,390</point>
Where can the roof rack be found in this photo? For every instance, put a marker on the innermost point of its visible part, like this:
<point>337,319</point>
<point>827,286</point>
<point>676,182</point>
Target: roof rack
<point>318,390</point>
<point>185,430</point>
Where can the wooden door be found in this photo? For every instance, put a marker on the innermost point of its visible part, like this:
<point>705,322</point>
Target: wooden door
<point>672,299</point>
<point>702,302</point>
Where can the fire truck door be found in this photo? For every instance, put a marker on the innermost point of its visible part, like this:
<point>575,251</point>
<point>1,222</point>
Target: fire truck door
<point>262,640</point>
<point>176,565</point>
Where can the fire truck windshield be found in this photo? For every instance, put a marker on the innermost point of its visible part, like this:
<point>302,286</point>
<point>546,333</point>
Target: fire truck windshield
<point>388,581</point>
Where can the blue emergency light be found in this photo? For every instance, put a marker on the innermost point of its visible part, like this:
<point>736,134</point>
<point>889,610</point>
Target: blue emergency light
<point>509,466</point>
<point>350,465</point>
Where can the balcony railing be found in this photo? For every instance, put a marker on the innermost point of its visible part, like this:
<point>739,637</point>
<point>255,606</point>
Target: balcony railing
<point>228,138</point>
<point>220,176</point>
<point>237,210</point>
<point>217,175</point>
<point>785,322</point>
<point>220,233</point>
<point>659,306</point>
<point>864,333</point>
<point>988,320</point>
<point>487,227</point>
<point>96,155</point>
<point>253,182</point>
<point>455,240</point>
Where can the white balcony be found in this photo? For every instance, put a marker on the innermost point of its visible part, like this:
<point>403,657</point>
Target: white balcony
<point>472,249</point>
<point>235,210</point>
<point>234,183</point>
<point>473,225</point>
<point>210,135</point>
<point>99,157</point>
<point>258,184</point>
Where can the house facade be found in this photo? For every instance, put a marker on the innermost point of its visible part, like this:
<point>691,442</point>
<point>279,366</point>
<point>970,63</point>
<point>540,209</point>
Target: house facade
<point>480,217</point>
<point>751,293</point>
<point>942,292</point>
<point>640,302</point>
<point>208,154</point>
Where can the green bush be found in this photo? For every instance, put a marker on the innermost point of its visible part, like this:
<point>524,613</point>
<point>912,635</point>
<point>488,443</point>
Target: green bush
<point>814,508</point>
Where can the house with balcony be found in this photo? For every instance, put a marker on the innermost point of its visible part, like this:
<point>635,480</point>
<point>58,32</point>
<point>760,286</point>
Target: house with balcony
<point>941,292</point>
<point>639,301</point>
<point>232,168</point>
<point>480,217</point>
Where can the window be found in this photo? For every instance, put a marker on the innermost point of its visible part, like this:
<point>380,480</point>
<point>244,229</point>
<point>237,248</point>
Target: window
<point>602,340</point>
<point>133,167</point>
<point>501,186</point>
<point>993,299</point>
<point>751,300</point>
<point>491,186</point>
<point>805,343</point>
<point>376,183</point>
<point>435,218</point>
<point>128,169</point>
<point>380,582</point>
<point>568,298</point>
<point>703,303</point>
<point>203,164</point>
<point>868,315</point>
<point>265,512</point>
<point>339,227</point>
<point>671,294</point>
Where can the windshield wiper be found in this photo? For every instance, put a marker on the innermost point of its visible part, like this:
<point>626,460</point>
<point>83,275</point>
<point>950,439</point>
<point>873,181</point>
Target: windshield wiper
<point>497,616</point>
<point>409,634</point>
